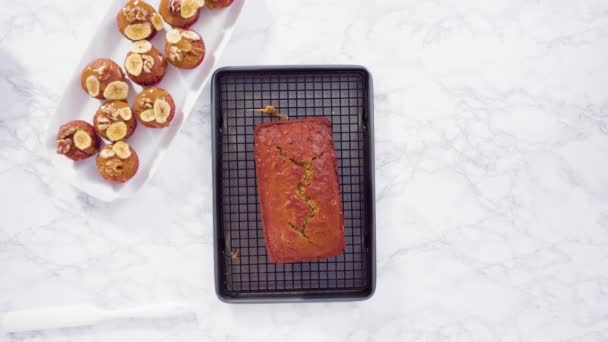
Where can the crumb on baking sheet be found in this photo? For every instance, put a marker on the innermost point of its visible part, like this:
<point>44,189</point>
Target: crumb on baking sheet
<point>235,253</point>
<point>271,110</point>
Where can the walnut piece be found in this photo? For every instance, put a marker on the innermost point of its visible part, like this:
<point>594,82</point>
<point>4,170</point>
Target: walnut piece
<point>103,123</point>
<point>103,72</point>
<point>146,103</point>
<point>135,13</point>
<point>110,111</point>
<point>175,6</point>
<point>175,54</point>
<point>64,146</point>
<point>148,62</point>
<point>66,132</point>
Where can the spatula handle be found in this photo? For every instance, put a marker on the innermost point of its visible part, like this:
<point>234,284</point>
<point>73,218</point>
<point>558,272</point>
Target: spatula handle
<point>151,311</point>
<point>50,318</point>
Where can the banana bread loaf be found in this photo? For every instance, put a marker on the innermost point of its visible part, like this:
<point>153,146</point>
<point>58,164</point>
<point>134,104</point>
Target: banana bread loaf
<point>297,178</point>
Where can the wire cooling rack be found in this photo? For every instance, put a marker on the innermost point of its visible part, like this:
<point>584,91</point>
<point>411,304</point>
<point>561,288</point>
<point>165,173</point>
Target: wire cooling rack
<point>342,94</point>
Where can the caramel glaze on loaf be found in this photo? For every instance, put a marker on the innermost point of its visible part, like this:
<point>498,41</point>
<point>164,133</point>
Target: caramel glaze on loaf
<point>297,177</point>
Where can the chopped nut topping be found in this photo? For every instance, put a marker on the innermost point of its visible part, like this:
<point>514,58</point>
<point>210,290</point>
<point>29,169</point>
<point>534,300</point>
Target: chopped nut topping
<point>64,145</point>
<point>141,14</point>
<point>67,131</point>
<point>175,54</point>
<point>175,6</point>
<point>103,72</point>
<point>135,13</point>
<point>103,123</point>
<point>110,111</point>
<point>107,110</point>
<point>148,62</point>
<point>146,102</point>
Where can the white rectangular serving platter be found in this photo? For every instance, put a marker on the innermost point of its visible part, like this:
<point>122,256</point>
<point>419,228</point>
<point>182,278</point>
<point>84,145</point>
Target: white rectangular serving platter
<point>215,26</point>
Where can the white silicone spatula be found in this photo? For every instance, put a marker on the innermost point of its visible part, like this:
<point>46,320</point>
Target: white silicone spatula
<point>83,315</point>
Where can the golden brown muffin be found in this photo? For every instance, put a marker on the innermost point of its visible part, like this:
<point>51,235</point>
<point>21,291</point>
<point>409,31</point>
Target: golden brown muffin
<point>104,79</point>
<point>184,48</point>
<point>114,120</point>
<point>218,3</point>
<point>137,20</point>
<point>117,162</point>
<point>145,65</point>
<point>154,107</point>
<point>298,188</point>
<point>77,140</point>
<point>180,13</point>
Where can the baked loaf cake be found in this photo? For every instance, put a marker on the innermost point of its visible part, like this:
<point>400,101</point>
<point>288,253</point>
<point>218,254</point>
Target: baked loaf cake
<point>298,188</point>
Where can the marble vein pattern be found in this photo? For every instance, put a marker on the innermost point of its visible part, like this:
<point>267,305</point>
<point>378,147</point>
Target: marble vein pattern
<point>491,125</point>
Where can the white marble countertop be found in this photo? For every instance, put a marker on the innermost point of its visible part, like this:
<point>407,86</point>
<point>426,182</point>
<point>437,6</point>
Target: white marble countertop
<point>492,189</point>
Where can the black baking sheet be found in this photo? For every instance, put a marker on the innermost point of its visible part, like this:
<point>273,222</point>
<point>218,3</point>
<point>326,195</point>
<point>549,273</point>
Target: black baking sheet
<point>344,95</point>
